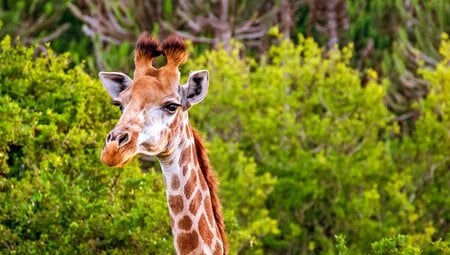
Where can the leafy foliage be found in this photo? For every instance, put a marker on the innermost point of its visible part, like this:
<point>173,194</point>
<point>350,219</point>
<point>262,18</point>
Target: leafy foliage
<point>341,166</point>
<point>56,197</point>
<point>309,158</point>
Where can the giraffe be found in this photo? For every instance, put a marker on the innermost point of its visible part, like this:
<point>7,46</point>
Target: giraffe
<point>155,122</point>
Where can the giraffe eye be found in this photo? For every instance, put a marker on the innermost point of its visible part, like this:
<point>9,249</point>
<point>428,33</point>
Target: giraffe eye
<point>171,108</point>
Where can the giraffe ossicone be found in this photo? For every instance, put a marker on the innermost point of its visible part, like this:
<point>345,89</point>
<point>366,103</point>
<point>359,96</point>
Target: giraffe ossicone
<point>155,122</point>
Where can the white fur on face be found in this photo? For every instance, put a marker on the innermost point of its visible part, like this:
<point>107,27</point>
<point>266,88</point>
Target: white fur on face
<point>152,139</point>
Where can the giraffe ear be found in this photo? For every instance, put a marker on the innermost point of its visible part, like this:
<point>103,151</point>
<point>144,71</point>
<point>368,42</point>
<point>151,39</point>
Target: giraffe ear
<point>114,83</point>
<point>196,88</point>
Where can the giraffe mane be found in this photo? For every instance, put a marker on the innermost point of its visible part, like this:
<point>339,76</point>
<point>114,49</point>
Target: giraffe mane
<point>211,181</point>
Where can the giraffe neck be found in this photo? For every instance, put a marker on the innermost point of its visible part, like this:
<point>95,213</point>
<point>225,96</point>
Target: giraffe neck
<point>194,223</point>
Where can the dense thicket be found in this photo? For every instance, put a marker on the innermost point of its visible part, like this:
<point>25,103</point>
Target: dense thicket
<point>310,161</point>
<point>342,166</point>
<point>319,150</point>
<point>55,195</point>
<point>391,37</point>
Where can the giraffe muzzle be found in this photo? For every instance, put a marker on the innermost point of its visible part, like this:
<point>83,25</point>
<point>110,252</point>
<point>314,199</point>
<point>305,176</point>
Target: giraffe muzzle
<point>119,148</point>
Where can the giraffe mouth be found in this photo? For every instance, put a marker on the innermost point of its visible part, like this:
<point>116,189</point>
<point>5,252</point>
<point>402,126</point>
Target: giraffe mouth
<point>114,156</point>
<point>148,152</point>
<point>123,163</point>
<point>150,149</point>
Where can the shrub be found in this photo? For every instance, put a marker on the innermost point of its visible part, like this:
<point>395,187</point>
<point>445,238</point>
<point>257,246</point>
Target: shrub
<point>341,165</point>
<point>310,161</point>
<point>55,195</point>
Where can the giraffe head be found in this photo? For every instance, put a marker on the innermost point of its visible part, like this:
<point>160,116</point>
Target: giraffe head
<point>153,104</point>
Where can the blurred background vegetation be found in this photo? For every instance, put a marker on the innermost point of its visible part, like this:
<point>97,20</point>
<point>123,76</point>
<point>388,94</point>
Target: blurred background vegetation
<point>327,123</point>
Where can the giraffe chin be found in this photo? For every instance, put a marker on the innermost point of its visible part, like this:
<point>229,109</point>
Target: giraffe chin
<point>113,156</point>
<point>150,151</point>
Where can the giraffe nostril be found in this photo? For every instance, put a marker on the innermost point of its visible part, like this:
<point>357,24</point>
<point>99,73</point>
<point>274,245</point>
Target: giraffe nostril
<point>109,138</point>
<point>123,139</point>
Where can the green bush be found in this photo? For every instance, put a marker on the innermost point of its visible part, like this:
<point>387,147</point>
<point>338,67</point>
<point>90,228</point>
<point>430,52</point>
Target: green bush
<point>306,120</point>
<point>243,193</point>
<point>55,195</point>
<point>309,160</point>
<point>341,164</point>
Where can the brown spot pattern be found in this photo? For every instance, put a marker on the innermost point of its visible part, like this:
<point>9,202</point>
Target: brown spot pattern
<point>204,230</point>
<point>196,161</point>
<point>185,156</point>
<point>176,204</point>
<point>189,187</point>
<point>207,172</point>
<point>203,183</point>
<point>174,123</point>
<point>218,232</point>
<point>191,149</point>
<point>195,203</point>
<point>185,169</point>
<point>218,249</point>
<point>175,183</point>
<point>187,242</point>
<point>208,209</point>
<point>188,133</point>
<point>185,223</point>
